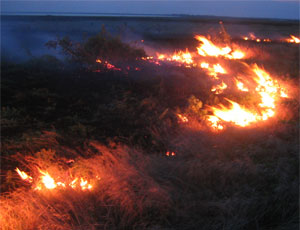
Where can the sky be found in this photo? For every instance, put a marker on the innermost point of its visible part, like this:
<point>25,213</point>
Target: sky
<point>280,9</point>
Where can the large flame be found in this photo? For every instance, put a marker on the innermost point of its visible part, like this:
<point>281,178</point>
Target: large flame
<point>235,114</point>
<point>266,88</point>
<point>207,48</point>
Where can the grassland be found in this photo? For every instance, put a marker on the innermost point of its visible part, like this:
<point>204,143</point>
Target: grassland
<point>119,126</point>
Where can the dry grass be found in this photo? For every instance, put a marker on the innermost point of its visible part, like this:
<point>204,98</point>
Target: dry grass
<point>216,185</point>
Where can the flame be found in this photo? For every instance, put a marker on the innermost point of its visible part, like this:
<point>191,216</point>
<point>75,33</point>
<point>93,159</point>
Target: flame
<point>209,49</point>
<point>219,88</point>
<point>267,89</point>
<point>215,122</point>
<point>217,68</point>
<point>214,70</point>
<point>204,65</point>
<point>293,39</point>
<point>240,86</point>
<point>237,55</point>
<point>170,154</point>
<point>46,181</point>
<point>180,57</point>
<point>24,175</point>
<point>84,184</point>
<point>182,118</point>
<point>107,65</point>
<point>235,114</point>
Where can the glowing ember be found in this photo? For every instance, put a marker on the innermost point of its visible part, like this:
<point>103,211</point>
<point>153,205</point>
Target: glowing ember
<point>170,154</point>
<point>107,65</point>
<point>182,118</point>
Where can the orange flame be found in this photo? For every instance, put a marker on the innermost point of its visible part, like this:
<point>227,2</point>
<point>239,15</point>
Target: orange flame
<point>182,118</point>
<point>46,181</point>
<point>219,88</point>
<point>24,175</point>
<point>235,114</point>
<point>209,49</point>
<point>240,86</point>
<point>293,39</point>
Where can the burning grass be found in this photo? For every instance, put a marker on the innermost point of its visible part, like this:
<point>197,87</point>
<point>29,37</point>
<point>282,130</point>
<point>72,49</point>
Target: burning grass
<point>197,138</point>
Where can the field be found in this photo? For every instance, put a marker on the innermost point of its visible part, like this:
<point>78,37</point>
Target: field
<point>133,123</point>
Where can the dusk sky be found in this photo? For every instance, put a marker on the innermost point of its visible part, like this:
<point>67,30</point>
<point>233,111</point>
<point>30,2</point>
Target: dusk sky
<point>253,9</point>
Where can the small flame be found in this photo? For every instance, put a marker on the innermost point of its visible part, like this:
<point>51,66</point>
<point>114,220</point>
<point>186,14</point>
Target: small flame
<point>182,118</point>
<point>240,86</point>
<point>215,122</point>
<point>204,65</point>
<point>24,175</point>
<point>293,39</point>
<point>170,154</point>
<point>219,88</point>
<point>47,180</point>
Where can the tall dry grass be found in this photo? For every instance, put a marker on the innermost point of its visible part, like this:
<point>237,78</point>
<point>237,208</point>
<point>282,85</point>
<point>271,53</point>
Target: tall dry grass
<point>231,181</point>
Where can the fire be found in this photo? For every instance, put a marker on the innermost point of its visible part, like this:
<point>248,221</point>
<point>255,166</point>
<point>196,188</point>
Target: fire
<point>24,175</point>
<point>46,181</point>
<point>267,89</point>
<point>215,122</point>
<point>235,114</point>
<point>267,100</point>
<point>182,118</point>
<point>209,49</point>
<point>214,70</point>
<point>219,88</point>
<point>204,65</point>
<point>293,39</point>
<point>237,55</point>
<point>180,57</point>
<point>170,154</point>
<point>107,65</point>
<point>218,69</point>
<point>240,86</point>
